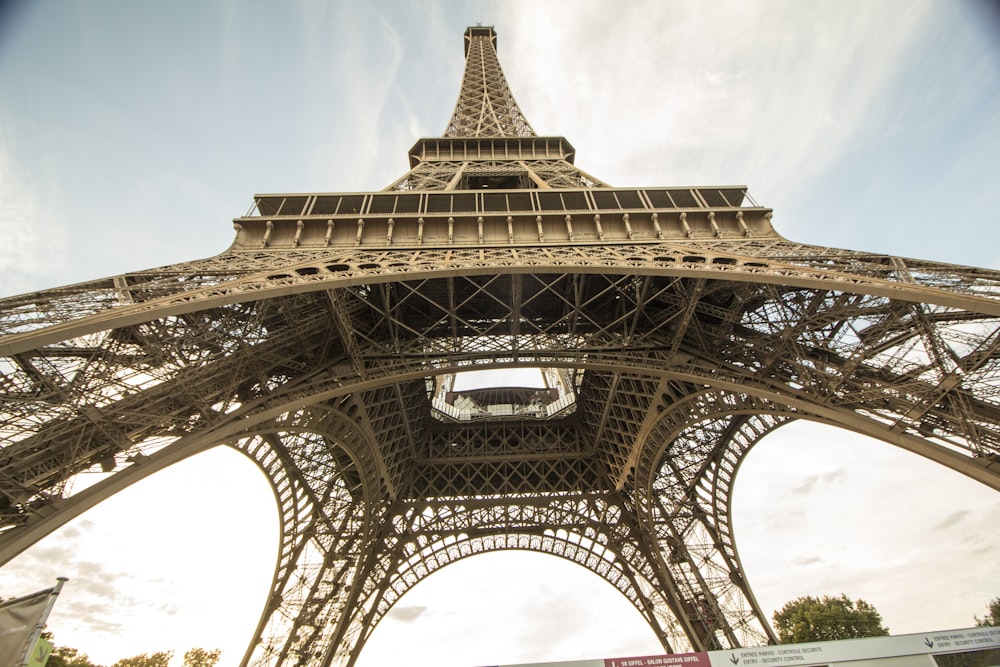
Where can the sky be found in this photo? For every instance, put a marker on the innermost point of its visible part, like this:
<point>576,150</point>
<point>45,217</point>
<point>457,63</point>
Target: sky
<point>132,133</point>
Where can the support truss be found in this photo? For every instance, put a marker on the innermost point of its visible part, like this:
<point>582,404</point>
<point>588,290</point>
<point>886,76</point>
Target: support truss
<point>682,327</point>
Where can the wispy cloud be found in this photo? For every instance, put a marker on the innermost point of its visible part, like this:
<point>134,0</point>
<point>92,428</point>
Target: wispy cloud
<point>405,614</point>
<point>807,560</point>
<point>812,482</point>
<point>732,91</point>
<point>952,519</point>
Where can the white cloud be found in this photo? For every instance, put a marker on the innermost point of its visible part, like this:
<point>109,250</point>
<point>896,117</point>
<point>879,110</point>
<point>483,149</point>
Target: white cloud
<point>406,614</point>
<point>180,560</point>
<point>509,608</point>
<point>770,92</point>
<point>892,535</point>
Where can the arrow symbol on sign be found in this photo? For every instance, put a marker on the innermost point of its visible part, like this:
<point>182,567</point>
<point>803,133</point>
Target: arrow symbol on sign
<point>41,656</point>
<point>733,659</point>
<point>928,642</point>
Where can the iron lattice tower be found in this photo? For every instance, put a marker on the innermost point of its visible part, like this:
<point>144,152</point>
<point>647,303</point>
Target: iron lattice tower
<point>673,327</point>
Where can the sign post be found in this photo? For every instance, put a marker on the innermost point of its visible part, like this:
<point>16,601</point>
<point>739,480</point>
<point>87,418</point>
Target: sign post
<point>22,621</point>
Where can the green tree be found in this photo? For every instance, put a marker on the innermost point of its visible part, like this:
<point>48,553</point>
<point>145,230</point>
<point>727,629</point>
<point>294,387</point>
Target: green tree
<point>992,618</point>
<point>809,619</point>
<point>68,657</point>
<point>65,657</point>
<point>158,659</point>
<point>199,657</point>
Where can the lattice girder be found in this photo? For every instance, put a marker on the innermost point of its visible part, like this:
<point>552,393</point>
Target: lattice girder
<point>596,531</point>
<point>414,541</point>
<point>835,349</point>
<point>683,485</point>
<point>485,107</point>
<point>327,534</point>
<point>26,325</point>
<point>824,348</point>
<point>451,175</point>
<point>314,345</point>
<point>762,334</point>
<point>680,353</point>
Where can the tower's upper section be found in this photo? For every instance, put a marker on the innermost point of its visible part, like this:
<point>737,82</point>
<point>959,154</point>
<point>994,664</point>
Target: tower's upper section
<point>490,181</point>
<point>485,107</point>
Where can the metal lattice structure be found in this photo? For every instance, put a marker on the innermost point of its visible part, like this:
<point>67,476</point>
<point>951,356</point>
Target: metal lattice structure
<point>673,327</point>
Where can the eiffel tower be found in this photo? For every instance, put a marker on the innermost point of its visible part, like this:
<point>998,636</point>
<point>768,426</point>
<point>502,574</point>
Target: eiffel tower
<point>666,331</point>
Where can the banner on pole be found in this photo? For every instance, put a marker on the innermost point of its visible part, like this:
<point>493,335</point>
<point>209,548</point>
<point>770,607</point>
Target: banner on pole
<point>19,619</point>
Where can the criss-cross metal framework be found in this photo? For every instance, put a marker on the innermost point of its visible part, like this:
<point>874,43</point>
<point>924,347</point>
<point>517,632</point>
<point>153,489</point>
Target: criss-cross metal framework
<point>676,326</point>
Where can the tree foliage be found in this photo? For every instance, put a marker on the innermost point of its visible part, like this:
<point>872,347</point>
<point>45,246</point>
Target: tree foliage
<point>199,657</point>
<point>158,659</point>
<point>993,617</point>
<point>63,656</point>
<point>68,657</point>
<point>809,619</point>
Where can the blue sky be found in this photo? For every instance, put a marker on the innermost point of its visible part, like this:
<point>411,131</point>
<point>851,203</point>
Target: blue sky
<point>131,133</point>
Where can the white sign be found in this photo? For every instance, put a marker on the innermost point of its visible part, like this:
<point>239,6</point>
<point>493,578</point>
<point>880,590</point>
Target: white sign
<point>824,653</point>
<point>816,653</point>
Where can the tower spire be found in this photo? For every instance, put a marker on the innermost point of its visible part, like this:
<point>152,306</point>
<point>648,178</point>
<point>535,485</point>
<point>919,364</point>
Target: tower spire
<point>485,107</point>
<point>488,143</point>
